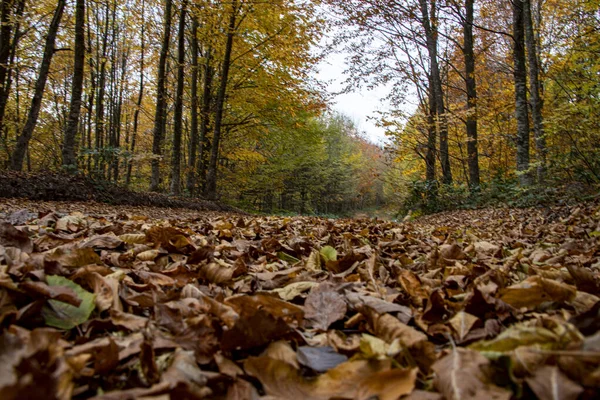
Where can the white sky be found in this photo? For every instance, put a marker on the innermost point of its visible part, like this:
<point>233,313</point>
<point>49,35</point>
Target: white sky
<point>357,105</point>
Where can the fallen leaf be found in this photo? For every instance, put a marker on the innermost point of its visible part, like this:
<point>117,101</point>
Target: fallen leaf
<point>460,375</point>
<point>65,316</point>
<point>324,306</point>
<point>319,359</point>
<point>548,383</point>
<point>294,290</point>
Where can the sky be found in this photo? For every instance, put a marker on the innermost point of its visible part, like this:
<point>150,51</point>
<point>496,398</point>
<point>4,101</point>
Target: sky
<point>359,105</point>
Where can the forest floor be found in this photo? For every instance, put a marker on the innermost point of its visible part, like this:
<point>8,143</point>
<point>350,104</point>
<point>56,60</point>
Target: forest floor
<point>121,302</point>
<point>68,188</point>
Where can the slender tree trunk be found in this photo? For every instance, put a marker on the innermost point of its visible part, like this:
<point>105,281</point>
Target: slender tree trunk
<point>69,153</point>
<point>431,138</point>
<point>118,114</point>
<point>5,41</point>
<point>535,99</point>
<point>211,179</point>
<point>471,88</point>
<point>205,119</point>
<point>36,102</point>
<point>520,78</point>
<point>91,96</point>
<point>136,113</point>
<point>431,38</point>
<point>7,81</point>
<point>159,116</point>
<point>100,123</point>
<point>178,124</point>
<point>191,174</point>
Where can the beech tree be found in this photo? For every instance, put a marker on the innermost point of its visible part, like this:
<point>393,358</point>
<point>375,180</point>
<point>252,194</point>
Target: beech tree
<point>18,154</point>
<point>159,115</point>
<point>69,150</point>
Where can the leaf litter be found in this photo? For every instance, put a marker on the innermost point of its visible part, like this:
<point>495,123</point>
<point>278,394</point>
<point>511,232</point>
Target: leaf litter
<point>120,303</point>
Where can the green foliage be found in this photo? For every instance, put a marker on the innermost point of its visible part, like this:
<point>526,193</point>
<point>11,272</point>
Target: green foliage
<point>316,166</point>
<point>431,197</point>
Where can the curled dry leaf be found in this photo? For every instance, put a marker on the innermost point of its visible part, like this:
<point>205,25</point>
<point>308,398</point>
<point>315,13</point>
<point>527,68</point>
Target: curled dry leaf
<point>12,237</point>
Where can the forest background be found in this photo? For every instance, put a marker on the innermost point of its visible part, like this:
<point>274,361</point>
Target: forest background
<point>218,99</point>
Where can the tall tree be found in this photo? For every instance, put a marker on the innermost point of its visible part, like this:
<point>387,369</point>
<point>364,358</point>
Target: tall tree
<point>203,145</point>
<point>471,88</point>
<point>138,103</point>
<point>69,152</point>
<point>191,173</point>
<point>8,50</point>
<point>178,124</point>
<point>429,21</point>
<point>159,116</point>
<point>18,155</point>
<point>211,178</point>
<point>520,81</point>
<point>535,91</point>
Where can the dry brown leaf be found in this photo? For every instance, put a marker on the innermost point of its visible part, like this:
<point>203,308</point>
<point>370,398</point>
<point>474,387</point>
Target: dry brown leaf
<point>549,383</point>
<point>324,306</point>
<point>536,290</point>
<point>460,375</point>
<point>462,323</point>
<point>283,380</point>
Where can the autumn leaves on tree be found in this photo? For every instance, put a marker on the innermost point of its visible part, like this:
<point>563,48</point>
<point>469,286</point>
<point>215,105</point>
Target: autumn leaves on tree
<point>480,73</point>
<point>200,97</point>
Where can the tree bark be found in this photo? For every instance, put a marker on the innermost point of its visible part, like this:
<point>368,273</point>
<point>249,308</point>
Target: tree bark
<point>68,152</point>
<point>5,38</point>
<point>436,80</point>
<point>36,102</point>
<point>6,82</point>
<point>178,124</point>
<point>471,88</point>
<point>191,174</point>
<point>204,120</point>
<point>431,138</point>
<point>159,116</point>
<point>536,101</point>
<point>520,79</point>
<point>138,104</point>
<point>211,179</point>
<point>101,87</point>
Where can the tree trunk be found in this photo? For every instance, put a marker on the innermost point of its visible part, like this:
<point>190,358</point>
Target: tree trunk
<point>178,125</point>
<point>36,102</point>
<point>204,122</point>
<point>68,152</point>
<point>6,82</point>
<point>5,39</point>
<point>431,138</point>
<point>138,104</point>
<point>191,174</point>
<point>436,80</point>
<point>535,99</point>
<point>211,179</point>
<point>471,88</point>
<point>520,78</point>
<point>159,116</point>
<point>91,96</point>
<point>100,125</point>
